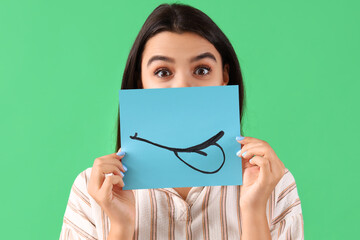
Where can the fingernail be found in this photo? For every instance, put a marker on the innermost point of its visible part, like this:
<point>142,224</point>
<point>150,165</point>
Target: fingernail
<point>238,152</point>
<point>239,138</point>
<point>251,160</point>
<point>122,174</point>
<point>120,153</point>
<point>125,168</point>
<point>243,154</point>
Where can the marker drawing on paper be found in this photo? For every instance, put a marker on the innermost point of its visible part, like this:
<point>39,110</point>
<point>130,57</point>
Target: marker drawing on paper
<point>196,149</point>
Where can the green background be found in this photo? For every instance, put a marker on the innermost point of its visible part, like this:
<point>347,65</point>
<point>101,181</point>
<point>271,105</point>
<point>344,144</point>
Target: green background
<point>61,64</point>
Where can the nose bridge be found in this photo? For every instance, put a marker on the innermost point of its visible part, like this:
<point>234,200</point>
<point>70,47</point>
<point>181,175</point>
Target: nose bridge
<point>182,79</point>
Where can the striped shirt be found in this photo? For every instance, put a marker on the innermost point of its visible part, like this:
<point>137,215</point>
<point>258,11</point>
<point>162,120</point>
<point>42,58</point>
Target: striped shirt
<point>211,212</point>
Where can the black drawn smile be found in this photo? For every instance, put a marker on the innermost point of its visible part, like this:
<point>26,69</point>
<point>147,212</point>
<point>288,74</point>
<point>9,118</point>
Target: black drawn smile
<point>196,149</point>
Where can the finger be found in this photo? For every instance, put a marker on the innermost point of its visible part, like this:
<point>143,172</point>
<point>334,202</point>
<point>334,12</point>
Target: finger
<point>246,140</point>
<point>110,181</point>
<point>245,164</point>
<point>110,174</point>
<point>98,174</point>
<point>119,154</point>
<point>258,150</point>
<point>119,163</point>
<point>278,168</point>
<point>265,167</point>
<point>247,147</point>
<point>110,159</point>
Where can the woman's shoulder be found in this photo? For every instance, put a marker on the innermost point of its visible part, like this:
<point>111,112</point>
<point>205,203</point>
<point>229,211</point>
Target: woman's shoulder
<point>287,182</point>
<point>81,181</point>
<point>285,195</point>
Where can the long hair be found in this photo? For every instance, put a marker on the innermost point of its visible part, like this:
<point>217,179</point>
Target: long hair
<point>180,18</point>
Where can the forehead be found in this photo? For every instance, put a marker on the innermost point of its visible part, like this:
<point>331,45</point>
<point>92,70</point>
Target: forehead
<point>178,45</point>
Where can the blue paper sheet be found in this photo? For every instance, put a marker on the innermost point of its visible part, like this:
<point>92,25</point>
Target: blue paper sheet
<point>180,137</point>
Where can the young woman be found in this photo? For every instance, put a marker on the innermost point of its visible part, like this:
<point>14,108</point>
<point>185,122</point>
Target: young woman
<point>180,46</point>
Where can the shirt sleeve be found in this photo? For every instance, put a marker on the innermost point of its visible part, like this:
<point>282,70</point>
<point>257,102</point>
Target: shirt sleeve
<point>287,219</point>
<point>78,222</point>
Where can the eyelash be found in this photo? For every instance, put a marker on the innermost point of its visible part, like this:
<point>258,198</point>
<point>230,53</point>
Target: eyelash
<point>205,67</point>
<point>199,67</point>
<point>159,70</point>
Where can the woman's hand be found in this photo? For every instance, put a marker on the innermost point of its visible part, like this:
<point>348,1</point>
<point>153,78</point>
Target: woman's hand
<point>260,175</point>
<point>107,191</point>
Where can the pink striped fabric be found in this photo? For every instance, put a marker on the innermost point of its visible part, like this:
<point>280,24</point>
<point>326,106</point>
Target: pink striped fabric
<point>211,212</point>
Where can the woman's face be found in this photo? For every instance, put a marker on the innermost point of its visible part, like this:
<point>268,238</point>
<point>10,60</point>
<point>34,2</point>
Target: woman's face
<point>174,60</point>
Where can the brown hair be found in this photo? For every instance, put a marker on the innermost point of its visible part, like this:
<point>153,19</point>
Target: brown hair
<point>180,18</point>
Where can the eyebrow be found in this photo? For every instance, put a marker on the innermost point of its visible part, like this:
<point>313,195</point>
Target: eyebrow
<point>160,58</point>
<point>194,59</point>
<point>203,55</point>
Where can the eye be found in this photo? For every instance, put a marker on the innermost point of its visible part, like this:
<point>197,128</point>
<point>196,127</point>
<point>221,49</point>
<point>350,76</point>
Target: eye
<point>203,70</point>
<point>162,72</point>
